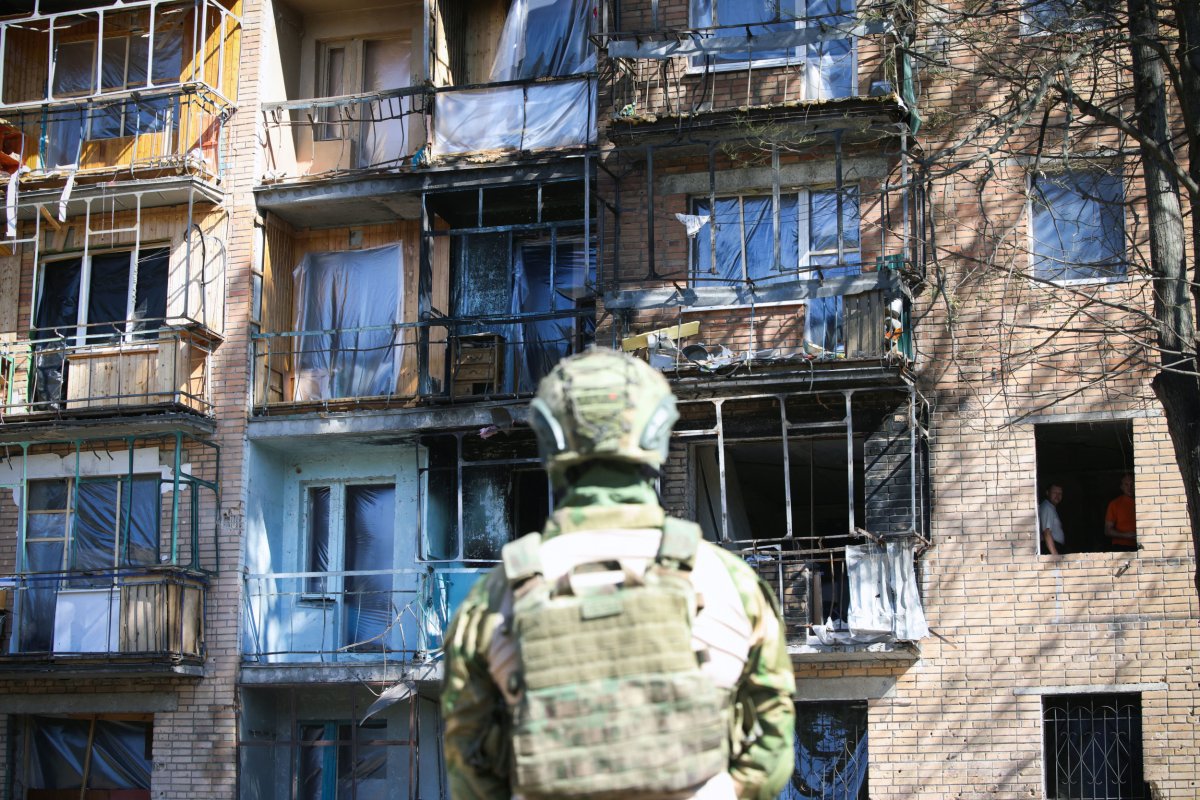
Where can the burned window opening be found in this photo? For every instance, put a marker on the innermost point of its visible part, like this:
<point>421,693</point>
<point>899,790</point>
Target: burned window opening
<point>1086,462</point>
<point>831,752</point>
<point>471,507</point>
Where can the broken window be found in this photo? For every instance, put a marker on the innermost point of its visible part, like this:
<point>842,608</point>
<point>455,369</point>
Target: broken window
<point>502,499</point>
<point>1077,221</point>
<point>85,756</point>
<point>347,306</point>
<point>831,752</point>
<point>94,299</point>
<point>828,64</point>
<point>1053,16</point>
<point>1093,747</point>
<point>1086,462</point>
<point>351,535</point>
<point>89,527</point>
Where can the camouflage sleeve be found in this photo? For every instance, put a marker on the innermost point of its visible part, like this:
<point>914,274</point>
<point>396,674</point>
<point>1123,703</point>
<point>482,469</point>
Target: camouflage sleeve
<point>472,706</point>
<point>762,766</point>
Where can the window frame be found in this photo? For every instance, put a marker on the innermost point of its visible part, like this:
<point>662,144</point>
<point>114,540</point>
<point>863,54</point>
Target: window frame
<point>128,326</point>
<point>1092,699</point>
<point>334,584</point>
<point>329,127</point>
<point>804,220</point>
<point>1031,208</point>
<point>70,512</point>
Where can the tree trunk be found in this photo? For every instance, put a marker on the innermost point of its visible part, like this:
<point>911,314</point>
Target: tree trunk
<point>1176,385</point>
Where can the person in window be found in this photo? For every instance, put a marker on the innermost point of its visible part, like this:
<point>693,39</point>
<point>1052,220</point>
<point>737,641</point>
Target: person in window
<point>1120,521</point>
<point>1054,541</point>
<point>693,702</point>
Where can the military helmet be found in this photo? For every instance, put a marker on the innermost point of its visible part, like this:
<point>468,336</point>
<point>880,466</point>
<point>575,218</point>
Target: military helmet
<point>602,404</point>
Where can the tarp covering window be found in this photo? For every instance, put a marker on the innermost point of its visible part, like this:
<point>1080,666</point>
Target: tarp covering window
<point>114,754</point>
<point>545,38</point>
<point>370,545</point>
<point>334,766</point>
<point>829,65</point>
<point>531,116</point>
<point>348,302</point>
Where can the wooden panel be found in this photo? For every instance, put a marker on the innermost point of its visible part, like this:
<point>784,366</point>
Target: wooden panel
<point>30,48</point>
<point>162,616</point>
<point>10,286</point>
<point>862,325</point>
<point>137,374</point>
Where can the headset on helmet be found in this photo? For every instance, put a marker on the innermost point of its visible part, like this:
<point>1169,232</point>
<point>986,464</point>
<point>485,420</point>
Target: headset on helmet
<point>602,404</point>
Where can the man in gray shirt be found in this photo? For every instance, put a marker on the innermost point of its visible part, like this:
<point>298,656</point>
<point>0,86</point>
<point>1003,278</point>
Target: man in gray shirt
<point>1051,526</point>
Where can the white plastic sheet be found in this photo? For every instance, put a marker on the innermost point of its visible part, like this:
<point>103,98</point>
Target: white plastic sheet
<point>348,301</point>
<point>884,598</point>
<point>525,117</point>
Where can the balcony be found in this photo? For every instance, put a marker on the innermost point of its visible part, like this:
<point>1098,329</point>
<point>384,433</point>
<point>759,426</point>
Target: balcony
<point>137,90</point>
<point>110,540</point>
<point>776,68</point>
<point>363,617</point>
<point>159,370</point>
<point>456,360</point>
<point>136,620</point>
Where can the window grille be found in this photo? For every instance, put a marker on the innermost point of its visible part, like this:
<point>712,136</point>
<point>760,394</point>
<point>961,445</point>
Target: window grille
<point>1093,747</point>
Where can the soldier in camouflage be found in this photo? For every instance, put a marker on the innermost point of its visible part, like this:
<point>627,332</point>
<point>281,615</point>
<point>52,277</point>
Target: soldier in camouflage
<point>671,680</point>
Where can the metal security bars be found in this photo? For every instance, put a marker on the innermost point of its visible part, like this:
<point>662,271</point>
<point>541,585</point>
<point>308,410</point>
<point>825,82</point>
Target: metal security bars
<point>1093,747</point>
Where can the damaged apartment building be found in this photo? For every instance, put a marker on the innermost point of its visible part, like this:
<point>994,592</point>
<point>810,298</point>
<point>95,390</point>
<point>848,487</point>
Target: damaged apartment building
<point>278,280</point>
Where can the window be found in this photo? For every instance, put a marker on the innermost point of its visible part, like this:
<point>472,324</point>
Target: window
<point>1077,226</point>
<point>350,532</point>
<point>103,296</point>
<point>1086,463</point>
<point>829,65</point>
<point>1052,16</point>
<point>123,68</point>
<point>831,752</point>
<point>362,66</point>
<point>1093,747</point>
<point>814,242</point>
<point>85,756</point>
<point>88,526</point>
<point>502,499</point>
<point>343,760</point>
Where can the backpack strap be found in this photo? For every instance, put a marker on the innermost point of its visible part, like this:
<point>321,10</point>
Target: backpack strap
<point>522,558</point>
<point>680,542</point>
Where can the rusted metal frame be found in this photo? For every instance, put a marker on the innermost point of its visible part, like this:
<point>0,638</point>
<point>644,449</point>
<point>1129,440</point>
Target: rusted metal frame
<point>839,189</point>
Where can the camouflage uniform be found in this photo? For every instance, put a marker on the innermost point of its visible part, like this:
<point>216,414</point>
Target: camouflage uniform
<point>601,419</point>
<point>475,708</point>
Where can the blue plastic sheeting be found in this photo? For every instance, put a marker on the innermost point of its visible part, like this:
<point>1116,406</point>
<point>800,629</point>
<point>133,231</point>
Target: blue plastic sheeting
<point>120,754</point>
<point>337,296</point>
<point>545,39</point>
<point>1078,226</point>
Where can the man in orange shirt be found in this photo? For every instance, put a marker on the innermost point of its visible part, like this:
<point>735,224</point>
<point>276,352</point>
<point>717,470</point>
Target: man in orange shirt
<point>1120,521</point>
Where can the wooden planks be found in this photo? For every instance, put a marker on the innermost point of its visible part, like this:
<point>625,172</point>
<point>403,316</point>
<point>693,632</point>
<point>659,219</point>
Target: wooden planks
<point>862,325</point>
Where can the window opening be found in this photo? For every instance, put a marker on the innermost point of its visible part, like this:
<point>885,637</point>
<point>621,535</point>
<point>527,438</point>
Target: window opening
<point>1086,462</point>
<point>341,760</point>
<point>745,19</point>
<point>94,299</point>
<point>88,528</point>
<point>350,532</point>
<point>1093,747</point>
<point>86,755</point>
<point>1077,222</point>
<point>831,752</point>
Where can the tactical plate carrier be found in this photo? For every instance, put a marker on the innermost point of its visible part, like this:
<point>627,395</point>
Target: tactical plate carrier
<point>612,702</point>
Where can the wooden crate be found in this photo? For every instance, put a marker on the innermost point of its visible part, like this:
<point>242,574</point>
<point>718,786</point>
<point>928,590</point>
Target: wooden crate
<point>162,615</point>
<point>478,364</point>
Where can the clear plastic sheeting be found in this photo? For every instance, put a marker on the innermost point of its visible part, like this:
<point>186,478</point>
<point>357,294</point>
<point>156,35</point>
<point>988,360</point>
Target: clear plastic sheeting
<point>884,598</point>
<point>114,755</point>
<point>532,116</point>
<point>544,39</point>
<point>347,304</point>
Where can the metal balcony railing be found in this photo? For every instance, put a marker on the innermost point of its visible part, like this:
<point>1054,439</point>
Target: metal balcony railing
<point>456,359</point>
<point>110,367</point>
<point>363,615</point>
<point>332,135</point>
<point>134,614</point>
